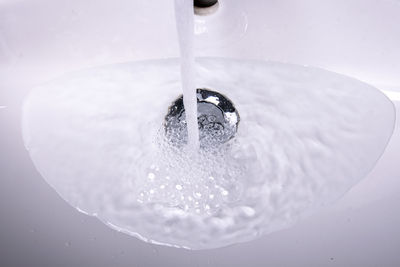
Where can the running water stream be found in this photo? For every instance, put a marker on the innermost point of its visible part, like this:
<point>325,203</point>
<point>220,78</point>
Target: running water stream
<point>185,25</point>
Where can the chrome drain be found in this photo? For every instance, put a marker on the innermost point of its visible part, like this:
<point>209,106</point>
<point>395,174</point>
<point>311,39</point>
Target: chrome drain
<point>218,119</point>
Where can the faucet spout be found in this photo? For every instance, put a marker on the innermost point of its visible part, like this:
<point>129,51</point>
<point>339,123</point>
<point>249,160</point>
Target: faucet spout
<point>204,3</point>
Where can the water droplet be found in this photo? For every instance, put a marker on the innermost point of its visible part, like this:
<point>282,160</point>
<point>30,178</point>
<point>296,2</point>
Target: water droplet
<point>197,195</point>
<point>248,211</point>
<point>179,187</point>
<point>151,176</point>
<point>224,192</point>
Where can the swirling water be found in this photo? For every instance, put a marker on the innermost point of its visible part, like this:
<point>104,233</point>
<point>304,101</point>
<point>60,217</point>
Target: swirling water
<point>305,137</point>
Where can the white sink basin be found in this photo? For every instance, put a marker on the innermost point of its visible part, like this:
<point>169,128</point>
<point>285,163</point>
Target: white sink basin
<point>42,39</point>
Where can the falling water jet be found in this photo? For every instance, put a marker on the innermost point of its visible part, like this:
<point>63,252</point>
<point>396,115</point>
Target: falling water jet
<point>185,27</point>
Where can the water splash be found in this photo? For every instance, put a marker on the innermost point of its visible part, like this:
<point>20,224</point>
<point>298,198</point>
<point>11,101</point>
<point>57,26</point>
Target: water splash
<point>305,137</point>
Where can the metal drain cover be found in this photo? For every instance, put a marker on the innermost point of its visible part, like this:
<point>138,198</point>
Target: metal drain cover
<point>218,119</point>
